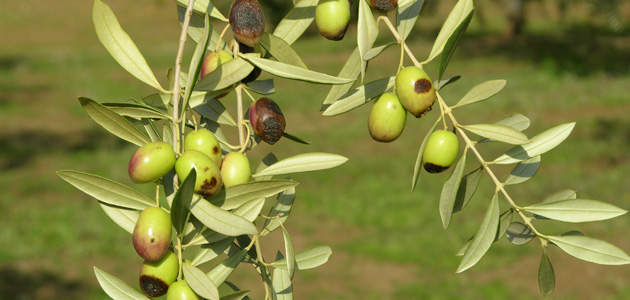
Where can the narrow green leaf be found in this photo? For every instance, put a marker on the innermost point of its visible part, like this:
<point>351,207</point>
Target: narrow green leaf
<point>483,238</point>
<point>281,50</point>
<point>546,276</point>
<point>225,75</point>
<point>214,110</point>
<point>195,63</point>
<point>288,71</point>
<point>248,211</point>
<point>199,282</point>
<point>561,195</point>
<point>267,161</point>
<point>406,17</point>
<point>281,285</point>
<point>576,210</point>
<point>119,44</point>
<point>452,42</point>
<point>307,259</point>
<point>209,252</point>
<point>106,190</point>
<point>235,196</point>
<point>297,20</point>
<point>295,138</point>
<point>376,51</point>
<point>236,295</point>
<point>282,209</point>
<point>504,223</point>
<point>264,87</point>
<point>113,122</point>
<point>116,288</point>
<point>219,220</point>
<point>367,31</point>
<point>591,250</point>
<point>519,234</point>
<point>458,15</point>
<point>418,166</point>
<point>467,188</point>
<point>135,110</point>
<point>524,171</point>
<point>444,82</point>
<point>351,69</point>
<point>205,7</point>
<point>449,192</point>
<point>464,248</point>
<point>124,217</point>
<point>180,207</point>
<point>482,92</point>
<point>196,29</point>
<point>221,272</point>
<point>539,144</point>
<point>516,121</point>
<point>498,133</point>
<point>303,163</point>
<point>289,251</point>
<point>359,96</point>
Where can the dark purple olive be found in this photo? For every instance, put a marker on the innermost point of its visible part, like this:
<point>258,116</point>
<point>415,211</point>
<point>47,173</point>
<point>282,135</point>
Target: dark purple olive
<point>247,21</point>
<point>267,120</point>
<point>384,5</point>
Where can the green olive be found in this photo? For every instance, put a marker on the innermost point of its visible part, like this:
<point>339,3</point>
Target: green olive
<point>415,90</point>
<point>152,233</point>
<point>247,21</point>
<point>156,277</point>
<point>151,162</point>
<point>332,18</point>
<point>440,151</point>
<point>208,181</point>
<point>235,169</point>
<point>204,141</point>
<point>179,290</point>
<point>387,118</point>
<point>213,61</point>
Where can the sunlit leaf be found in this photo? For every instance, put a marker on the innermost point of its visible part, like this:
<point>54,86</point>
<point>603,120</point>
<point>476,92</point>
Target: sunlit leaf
<point>307,259</point>
<point>213,110</point>
<point>180,207</point>
<point>561,195</point>
<point>367,31</point>
<point>135,110</point>
<point>519,234</point>
<point>203,7</point>
<point>289,251</point>
<point>483,238</point>
<point>376,51</point>
<point>281,209</point>
<point>467,188</point>
<point>124,217</point>
<point>524,171</point>
<point>238,195</point>
<point>113,122</point>
<point>482,92</point>
<point>464,248</point>
<point>449,192</point>
<point>222,271</point>
<point>219,220</point>
<point>292,72</point>
<point>504,223</point>
<point>297,20</point>
<point>195,63</point>
<point>106,190</point>
<point>281,285</point>
<point>576,210</point>
<point>359,96</point>
<point>236,295</point>
<point>591,250</point>
<point>546,276</point>
<point>119,44</point>
<point>418,166</point>
<point>458,15</point>
<point>281,50</point>
<point>406,17</point>
<point>452,42</point>
<point>210,251</point>
<point>116,288</point>
<point>351,69</point>
<point>498,133</point>
<point>225,75</point>
<point>196,29</point>
<point>303,163</point>
<point>539,144</point>
<point>199,282</point>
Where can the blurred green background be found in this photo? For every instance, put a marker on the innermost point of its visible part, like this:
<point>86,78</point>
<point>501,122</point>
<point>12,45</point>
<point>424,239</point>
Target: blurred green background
<point>567,64</point>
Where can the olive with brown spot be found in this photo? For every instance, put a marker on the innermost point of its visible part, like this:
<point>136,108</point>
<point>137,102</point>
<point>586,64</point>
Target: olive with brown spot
<point>384,5</point>
<point>440,151</point>
<point>415,90</point>
<point>204,141</point>
<point>267,120</point>
<point>150,162</point>
<point>209,181</point>
<point>156,277</point>
<point>152,233</point>
<point>247,21</point>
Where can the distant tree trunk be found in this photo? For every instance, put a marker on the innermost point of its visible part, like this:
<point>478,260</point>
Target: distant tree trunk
<point>515,17</point>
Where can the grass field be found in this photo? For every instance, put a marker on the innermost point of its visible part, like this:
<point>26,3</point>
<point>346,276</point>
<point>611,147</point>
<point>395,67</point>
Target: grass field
<point>387,243</point>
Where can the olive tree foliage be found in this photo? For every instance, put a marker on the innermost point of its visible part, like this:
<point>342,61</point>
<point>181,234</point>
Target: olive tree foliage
<point>224,230</point>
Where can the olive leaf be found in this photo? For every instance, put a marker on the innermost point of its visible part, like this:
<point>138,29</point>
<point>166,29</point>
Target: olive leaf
<point>524,171</point>
<point>516,121</point>
<point>196,29</point>
<point>296,21</point>
<point>483,238</point>
<point>539,144</point>
<point>376,51</point>
<point>591,250</point>
<point>195,64</point>
<point>467,188</point>
<point>460,13</point>
<point>205,7</point>
<point>367,31</point>
<point>235,196</point>
<point>418,166</point>
<point>106,190</point>
<point>359,96</point>
<point>289,251</point>
<point>124,217</point>
<point>281,284</point>
<point>307,259</point>
<point>304,162</point>
<point>406,16</point>
<point>212,109</point>
<point>546,276</point>
<point>576,210</point>
<point>351,69</point>
<point>264,87</point>
<point>449,192</point>
<point>225,75</point>
<point>500,133</point>
<point>561,195</point>
<point>482,92</point>
<point>288,71</point>
<point>113,122</point>
<point>219,220</point>
<point>136,110</point>
<point>281,210</point>
<point>116,288</point>
<point>222,271</point>
<point>519,233</point>
<point>200,283</point>
<point>210,251</point>
<point>281,50</point>
<point>452,42</point>
<point>180,207</point>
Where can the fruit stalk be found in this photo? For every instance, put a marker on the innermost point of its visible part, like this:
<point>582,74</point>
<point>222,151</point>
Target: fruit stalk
<point>400,40</point>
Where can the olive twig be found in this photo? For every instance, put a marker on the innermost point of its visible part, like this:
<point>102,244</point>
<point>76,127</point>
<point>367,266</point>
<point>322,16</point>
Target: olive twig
<point>239,115</point>
<point>221,36</point>
<point>399,39</point>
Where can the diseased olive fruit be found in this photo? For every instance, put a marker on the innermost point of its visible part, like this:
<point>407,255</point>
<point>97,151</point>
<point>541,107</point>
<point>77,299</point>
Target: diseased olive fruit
<point>387,118</point>
<point>151,162</point>
<point>152,233</point>
<point>253,75</point>
<point>213,60</point>
<point>267,120</point>
<point>179,290</point>
<point>208,181</point>
<point>204,141</point>
<point>156,277</point>
<point>384,5</point>
<point>440,151</point>
<point>332,18</point>
<point>247,21</point>
<point>415,90</point>
<point>235,169</point>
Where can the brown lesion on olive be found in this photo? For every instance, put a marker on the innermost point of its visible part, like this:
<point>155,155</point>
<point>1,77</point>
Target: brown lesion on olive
<point>215,150</point>
<point>152,286</point>
<point>433,168</point>
<point>422,86</point>
<point>209,184</point>
<point>153,241</point>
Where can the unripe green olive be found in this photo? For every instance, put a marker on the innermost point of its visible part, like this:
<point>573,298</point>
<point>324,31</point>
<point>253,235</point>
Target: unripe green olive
<point>387,118</point>
<point>151,162</point>
<point>235,169</point>
<point>267,120</point>
<point>440,151</point>
<point>152,233</point>
<point>332,18</point>
<point>247,21</point>
<point>179,290</point>
<point>415,90</point>
<point>384,5</point>
<point>156,277</point>
<point>208,181</point>
<point>213,60</point>
<point>204,141</point>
